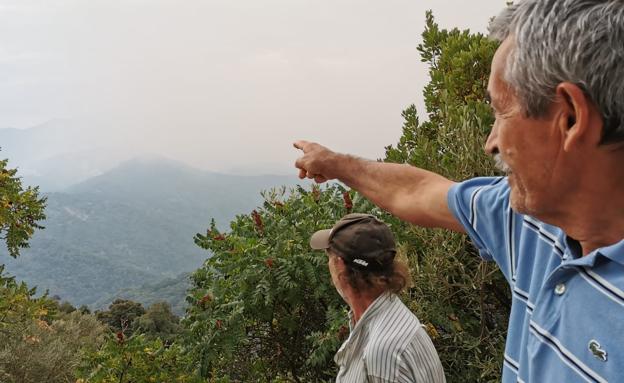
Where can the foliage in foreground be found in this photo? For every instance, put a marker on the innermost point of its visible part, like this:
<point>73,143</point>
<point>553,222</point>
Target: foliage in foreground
<point>38,342</point>
<point>465,299</point>
<point>42,340</point>
<point>140,346</point>
<point>263,307</point>
<point>137,359</point>
<point>50,352</point>
<point>21,209</point>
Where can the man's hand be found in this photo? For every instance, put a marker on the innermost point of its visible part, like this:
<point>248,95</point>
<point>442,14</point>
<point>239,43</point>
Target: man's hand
<point>311,164</point>
<point>412,194</point>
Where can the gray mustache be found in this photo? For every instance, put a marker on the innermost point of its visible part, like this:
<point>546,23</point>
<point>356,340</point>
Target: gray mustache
<point>500,164</point>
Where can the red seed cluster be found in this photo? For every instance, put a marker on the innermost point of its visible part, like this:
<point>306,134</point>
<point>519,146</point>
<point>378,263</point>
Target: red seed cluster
<point>348,204</point>
<point>257,220</point>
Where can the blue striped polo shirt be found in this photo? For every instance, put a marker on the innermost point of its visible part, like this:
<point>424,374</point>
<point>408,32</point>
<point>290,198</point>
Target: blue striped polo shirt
<point>567,314</point>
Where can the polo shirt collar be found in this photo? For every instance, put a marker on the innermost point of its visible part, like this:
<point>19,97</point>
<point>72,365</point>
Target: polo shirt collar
<point>613,252</point>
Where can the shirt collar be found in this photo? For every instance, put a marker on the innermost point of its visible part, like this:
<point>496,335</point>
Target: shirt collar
<point>371,312</point>
<point>613,252</point>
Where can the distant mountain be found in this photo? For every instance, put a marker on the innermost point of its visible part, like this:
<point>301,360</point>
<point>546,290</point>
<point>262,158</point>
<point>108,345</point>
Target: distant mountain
<point>61,171</point>
<point>184,193</point>
<point>132,226</point>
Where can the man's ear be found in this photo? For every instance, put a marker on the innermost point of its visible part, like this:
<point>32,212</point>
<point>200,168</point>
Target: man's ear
<point>578,119</point>
<point>343,276</point>
<point>341,268</point>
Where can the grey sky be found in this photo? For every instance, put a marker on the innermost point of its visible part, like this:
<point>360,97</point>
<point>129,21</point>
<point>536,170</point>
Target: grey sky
<point>221,84</point>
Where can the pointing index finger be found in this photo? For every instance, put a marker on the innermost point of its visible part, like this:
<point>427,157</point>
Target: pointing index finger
<point>300,144</point>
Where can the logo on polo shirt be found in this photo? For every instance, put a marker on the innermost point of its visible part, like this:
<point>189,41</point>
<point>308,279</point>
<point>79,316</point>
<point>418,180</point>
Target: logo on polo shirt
<point>598,352</point>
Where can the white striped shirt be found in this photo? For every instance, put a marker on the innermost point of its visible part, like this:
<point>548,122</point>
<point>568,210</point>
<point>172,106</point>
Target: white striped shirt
<point>388,344</point>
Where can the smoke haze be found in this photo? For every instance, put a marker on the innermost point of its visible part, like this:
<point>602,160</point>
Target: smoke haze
<point>224,85</point>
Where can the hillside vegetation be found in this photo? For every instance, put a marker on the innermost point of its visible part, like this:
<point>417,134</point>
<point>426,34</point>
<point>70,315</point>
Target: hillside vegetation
<point>131,226</point>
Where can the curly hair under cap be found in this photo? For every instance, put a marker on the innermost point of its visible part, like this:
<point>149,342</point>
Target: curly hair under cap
<point>394,277</point>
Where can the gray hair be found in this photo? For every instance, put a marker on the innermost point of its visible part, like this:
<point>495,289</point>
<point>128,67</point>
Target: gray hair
<point>577,41</point>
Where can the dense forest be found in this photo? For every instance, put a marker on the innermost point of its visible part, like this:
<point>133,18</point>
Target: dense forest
<point>262,308</point>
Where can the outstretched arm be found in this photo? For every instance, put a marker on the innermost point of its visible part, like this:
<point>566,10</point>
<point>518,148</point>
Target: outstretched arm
<point>412,194</point>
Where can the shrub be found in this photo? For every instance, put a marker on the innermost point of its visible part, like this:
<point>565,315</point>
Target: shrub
<point>465,301</point>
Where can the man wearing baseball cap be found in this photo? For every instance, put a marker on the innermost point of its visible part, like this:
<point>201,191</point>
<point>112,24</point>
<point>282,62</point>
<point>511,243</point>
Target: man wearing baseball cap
<point>387,343</point>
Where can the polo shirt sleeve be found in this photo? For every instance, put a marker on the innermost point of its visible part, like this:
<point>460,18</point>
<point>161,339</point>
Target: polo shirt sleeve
<point>482,206</point>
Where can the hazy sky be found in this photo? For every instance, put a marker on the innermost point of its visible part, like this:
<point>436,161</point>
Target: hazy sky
<point>222,84</point>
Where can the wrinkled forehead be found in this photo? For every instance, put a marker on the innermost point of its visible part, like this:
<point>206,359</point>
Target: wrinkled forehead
<point>498,88</point>
<point>499,61</point>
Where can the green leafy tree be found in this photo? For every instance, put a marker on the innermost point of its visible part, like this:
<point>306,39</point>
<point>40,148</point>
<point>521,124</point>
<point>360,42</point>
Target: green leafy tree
<point>84,309</point>
<point>21,210</point>
<point>263,308</point>
<point>66,307</point>
<point>120,315</point>
<point>137,360</point>
<point>19,308</point>
<point>39,340</point>
<point>158,322</point>
<point>465,301</point>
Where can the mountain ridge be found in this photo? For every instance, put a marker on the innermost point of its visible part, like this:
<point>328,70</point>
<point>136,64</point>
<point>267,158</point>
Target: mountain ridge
<point>132,226</point>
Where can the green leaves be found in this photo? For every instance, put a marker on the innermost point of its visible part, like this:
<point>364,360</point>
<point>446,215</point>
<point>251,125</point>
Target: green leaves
<point>37,342</point>
<point>21,210</point>
<point>137,360</point>
<point>259,306</point>
<point>450,142</point>
<point>463,301</point>
<point>19,307</point>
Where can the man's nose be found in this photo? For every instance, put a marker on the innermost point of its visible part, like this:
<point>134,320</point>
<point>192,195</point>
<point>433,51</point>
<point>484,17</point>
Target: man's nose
<point>491,144</point>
